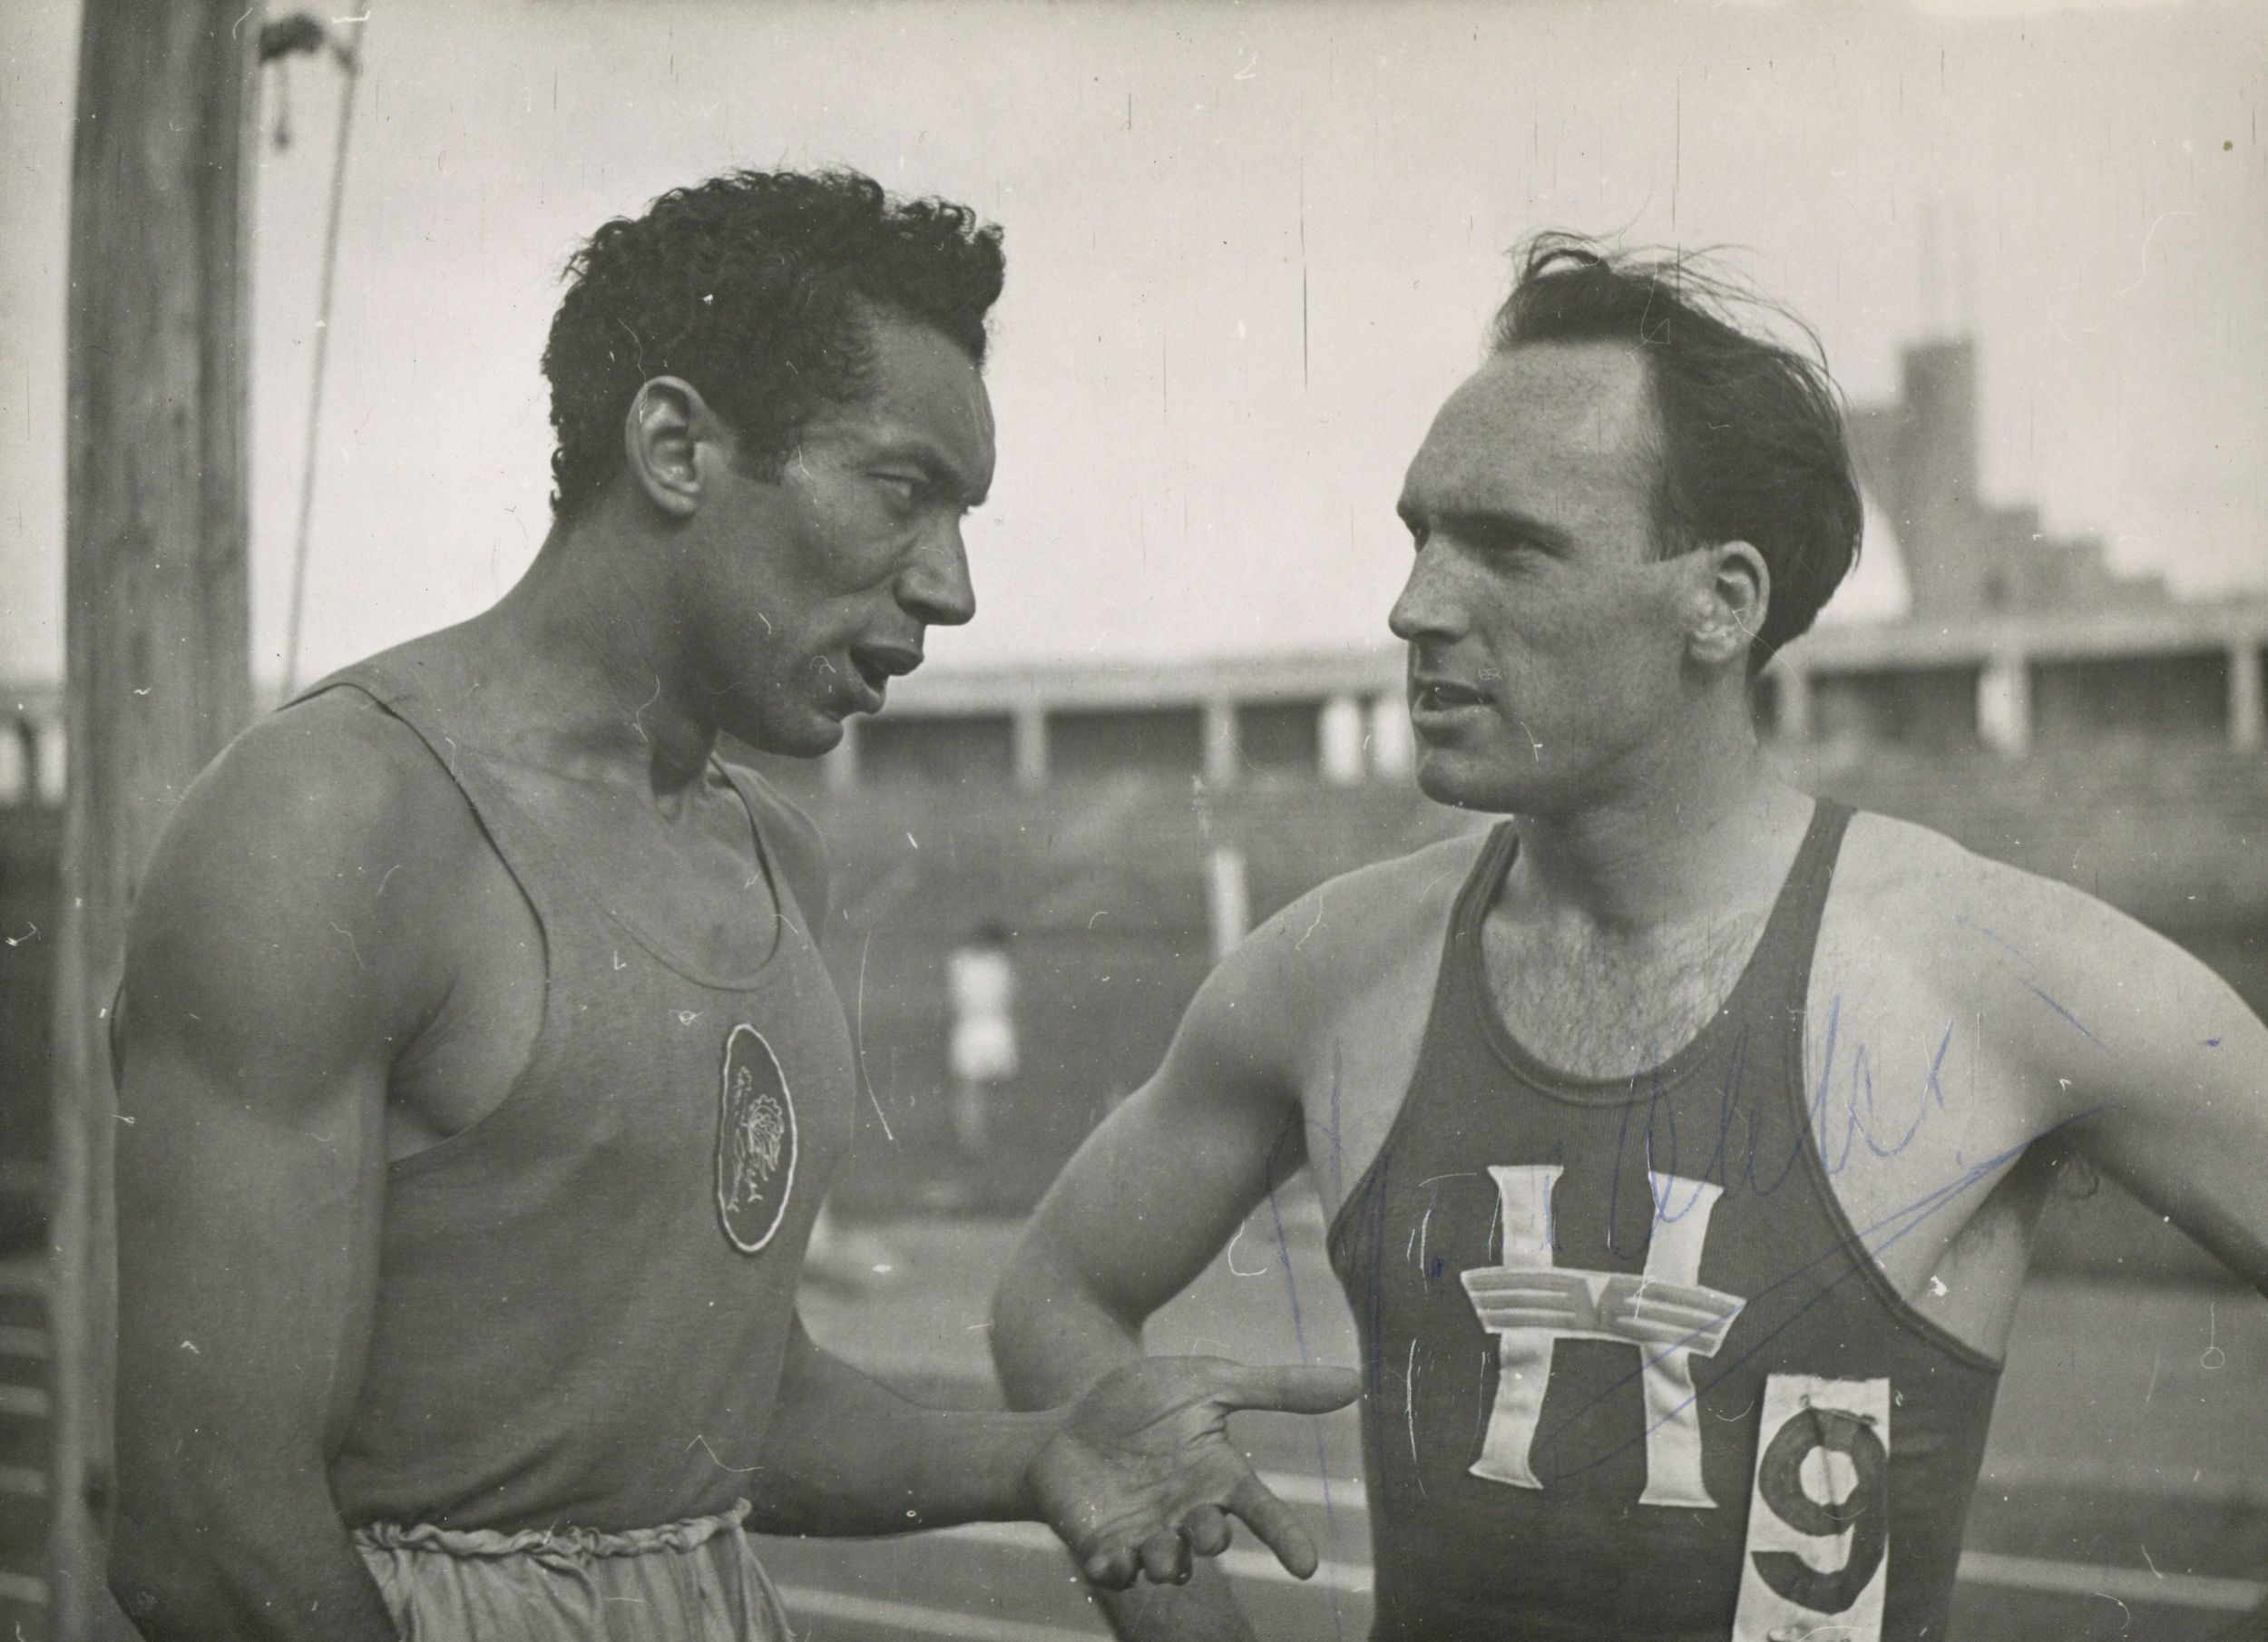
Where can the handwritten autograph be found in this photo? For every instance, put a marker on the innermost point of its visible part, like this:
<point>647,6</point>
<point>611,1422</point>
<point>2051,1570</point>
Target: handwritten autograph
<point>1732,1162</point>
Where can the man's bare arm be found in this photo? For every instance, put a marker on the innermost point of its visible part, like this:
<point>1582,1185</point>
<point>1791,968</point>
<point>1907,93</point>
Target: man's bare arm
<point>1131,1476</point>
<point>264,987</point>
<point>2157,1067</point>
<point>2159,1074</point>
<point>1123,1230</point>
<point>1159,1187</point>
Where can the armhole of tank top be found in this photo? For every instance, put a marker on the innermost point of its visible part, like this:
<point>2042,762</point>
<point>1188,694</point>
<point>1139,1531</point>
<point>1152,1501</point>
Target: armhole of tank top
<point>1464,913</point>
<point>415,1162</point>
<point>1902,1310</point>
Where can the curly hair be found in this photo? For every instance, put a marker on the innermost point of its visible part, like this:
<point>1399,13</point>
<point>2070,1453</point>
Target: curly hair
<point>1752,441</point>
<point>758,288</point>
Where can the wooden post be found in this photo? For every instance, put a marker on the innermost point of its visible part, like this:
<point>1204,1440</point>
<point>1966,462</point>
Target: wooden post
<point>157,641</point>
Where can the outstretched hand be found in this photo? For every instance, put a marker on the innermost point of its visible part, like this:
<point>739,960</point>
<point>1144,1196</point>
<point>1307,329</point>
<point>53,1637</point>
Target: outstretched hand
<point>1142,1472</point>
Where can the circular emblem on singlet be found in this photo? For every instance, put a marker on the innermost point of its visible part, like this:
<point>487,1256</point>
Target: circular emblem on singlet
<point>756,1142</point>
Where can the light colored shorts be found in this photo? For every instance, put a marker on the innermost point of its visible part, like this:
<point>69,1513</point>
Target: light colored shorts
<point>698,1580</point>
<point>983,1049</point>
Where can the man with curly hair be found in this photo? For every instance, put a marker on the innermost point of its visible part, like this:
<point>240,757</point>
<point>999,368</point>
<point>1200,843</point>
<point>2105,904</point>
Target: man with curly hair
<point>479,1078</point>
<point>1682,1137</point>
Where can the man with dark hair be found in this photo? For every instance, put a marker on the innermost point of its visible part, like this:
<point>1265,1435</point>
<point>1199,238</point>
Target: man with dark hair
<point>1681,1138</point>
<point>1750,433</point>
<point>480,1079</point>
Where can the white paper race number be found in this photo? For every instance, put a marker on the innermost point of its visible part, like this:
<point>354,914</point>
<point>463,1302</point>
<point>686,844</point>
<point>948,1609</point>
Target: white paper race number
<point>1818,1556</point>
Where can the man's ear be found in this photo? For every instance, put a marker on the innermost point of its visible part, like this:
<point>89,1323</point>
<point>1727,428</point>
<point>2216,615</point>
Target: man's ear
<point>672,443</point>
<point>1729,607</point>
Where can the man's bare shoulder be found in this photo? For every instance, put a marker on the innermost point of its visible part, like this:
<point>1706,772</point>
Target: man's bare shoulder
<point>1345,932</point>
<point>325,834</point>
<point>1916,883</point>
<point>1326,959</point>
<point>334,777</point>
<point>2058,967</point>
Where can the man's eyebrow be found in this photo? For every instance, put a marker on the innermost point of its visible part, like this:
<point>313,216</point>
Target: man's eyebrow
<point>1483,521</point>
<point>936,467</point>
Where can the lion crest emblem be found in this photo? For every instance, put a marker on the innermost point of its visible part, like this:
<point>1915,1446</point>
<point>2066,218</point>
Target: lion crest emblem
<point>756,1142</point>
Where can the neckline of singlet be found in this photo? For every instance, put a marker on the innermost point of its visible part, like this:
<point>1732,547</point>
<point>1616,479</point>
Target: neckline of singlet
<point>1801,898</point>
<point>406,701</point>
<point>768,967</point>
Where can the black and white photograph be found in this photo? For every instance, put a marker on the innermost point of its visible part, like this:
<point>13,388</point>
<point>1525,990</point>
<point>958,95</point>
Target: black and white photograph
<point>1020,820</point>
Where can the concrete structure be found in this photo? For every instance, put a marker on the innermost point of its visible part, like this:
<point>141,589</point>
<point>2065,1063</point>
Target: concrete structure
<point>2180,672</point>
<point>1337,717</point>
<point>1918,459</point>
<point>2002,682</point>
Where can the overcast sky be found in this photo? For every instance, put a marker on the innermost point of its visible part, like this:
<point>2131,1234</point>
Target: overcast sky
<point>1250,250</point>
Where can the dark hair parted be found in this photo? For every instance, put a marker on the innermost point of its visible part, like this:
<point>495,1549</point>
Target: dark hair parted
<point>758,288</point>
<point>1752,439</point>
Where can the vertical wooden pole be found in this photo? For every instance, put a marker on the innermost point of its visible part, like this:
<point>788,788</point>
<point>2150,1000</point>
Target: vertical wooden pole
<point>157,642</point>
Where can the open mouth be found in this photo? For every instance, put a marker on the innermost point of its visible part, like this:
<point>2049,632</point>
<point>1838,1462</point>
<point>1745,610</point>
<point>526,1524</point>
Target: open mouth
<point>877,664</point>
<point>1444,694</point>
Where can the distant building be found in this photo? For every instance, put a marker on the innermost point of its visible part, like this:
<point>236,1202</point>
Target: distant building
<point>1918,459</point>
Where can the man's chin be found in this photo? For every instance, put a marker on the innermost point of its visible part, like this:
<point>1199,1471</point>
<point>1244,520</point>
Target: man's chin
<point>1464,780</point>
<point>809,735</point>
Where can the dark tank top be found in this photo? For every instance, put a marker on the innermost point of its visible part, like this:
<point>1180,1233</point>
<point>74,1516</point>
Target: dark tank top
<point>1630,1371</point>
<point>585,1299</point>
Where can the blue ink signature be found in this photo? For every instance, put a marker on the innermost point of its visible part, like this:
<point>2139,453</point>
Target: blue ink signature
<point>1659,1138</point>
<point>1729,1166</point>
<point>1914,1214</point>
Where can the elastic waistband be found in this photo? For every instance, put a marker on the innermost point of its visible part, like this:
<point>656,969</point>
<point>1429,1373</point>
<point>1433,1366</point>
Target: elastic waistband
<point>569,1542</point>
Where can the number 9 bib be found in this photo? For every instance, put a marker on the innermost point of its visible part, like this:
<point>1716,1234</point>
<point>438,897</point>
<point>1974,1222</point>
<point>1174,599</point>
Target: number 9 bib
<point>1817,1560</point>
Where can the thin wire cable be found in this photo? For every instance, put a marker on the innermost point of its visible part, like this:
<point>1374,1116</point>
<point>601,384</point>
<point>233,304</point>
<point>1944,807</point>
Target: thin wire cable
<point>353,63</point>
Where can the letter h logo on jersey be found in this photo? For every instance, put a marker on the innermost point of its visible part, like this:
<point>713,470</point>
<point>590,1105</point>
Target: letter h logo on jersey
<point>1665,1313</point>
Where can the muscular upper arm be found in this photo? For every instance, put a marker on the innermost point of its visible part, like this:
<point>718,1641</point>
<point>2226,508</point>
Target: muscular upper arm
<point>271,970</point>
<point>1164,1180</point>
<point>2144,1059</point>
<point>1168,1178</point>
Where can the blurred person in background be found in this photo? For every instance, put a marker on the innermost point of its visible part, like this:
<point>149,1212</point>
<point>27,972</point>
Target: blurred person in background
<point>980,990</point>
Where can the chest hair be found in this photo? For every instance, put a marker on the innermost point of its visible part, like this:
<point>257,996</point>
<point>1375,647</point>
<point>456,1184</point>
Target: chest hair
<point>1600,1004</point>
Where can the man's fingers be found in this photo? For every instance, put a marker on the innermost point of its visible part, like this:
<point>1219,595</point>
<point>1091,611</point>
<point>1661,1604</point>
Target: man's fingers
<point>1298,1388</point>
<point>1278,1527</point>
<point>1166,1556</point>
<point>1208,1530</point>
<point>1111,1569</point>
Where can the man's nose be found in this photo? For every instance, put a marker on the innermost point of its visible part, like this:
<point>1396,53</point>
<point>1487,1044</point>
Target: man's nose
<point>935,588</point>
<point>1428,607</point>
